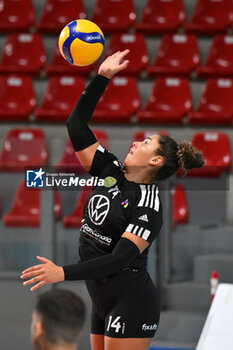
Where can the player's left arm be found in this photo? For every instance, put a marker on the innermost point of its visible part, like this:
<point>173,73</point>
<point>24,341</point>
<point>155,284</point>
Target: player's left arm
<point>145,224</point>
<point>125,252</point>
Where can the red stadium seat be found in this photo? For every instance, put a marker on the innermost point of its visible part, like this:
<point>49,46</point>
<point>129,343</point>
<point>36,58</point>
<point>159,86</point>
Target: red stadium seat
<point>59,66</point>
<point>138,55</point>
<point>114,15</point>
<point>69,162</point>
<point>23,53</point>
<point>216,104</point>
<point>120,101</point>
<point>178,54</point>
<point>211,16</point>
<point>161,16</point>
<point>57,13</point>
<point>216,152</point>
<point>59,99</point>
<point>16,15</point>
<point>25,209</point>
<point>74,219</point>
<point>17,98</point>
<point>179,206</point>
<point>23,148</point>
<point>220,58</point>
<point>169,101</point>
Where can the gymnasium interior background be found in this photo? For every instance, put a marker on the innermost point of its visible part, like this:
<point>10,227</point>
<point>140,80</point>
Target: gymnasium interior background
<point>197,236</point>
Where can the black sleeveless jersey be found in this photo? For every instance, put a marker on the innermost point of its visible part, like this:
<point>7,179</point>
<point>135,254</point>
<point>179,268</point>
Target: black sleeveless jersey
<point>117,206</point>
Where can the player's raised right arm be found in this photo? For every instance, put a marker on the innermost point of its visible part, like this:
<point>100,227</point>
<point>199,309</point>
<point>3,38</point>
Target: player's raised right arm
<point>82,138</point>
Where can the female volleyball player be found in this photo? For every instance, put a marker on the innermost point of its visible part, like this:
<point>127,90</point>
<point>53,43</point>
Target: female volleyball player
<point>120,221</point>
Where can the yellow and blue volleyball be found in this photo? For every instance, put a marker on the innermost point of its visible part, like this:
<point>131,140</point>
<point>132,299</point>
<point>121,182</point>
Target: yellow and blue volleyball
<point>81,42</point>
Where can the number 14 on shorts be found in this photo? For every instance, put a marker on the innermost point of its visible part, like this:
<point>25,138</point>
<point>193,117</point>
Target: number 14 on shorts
<point>116,324</point>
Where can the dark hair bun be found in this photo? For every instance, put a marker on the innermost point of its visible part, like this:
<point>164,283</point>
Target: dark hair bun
<point>188,157</point>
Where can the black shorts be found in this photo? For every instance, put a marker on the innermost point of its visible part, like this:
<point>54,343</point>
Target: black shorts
<point>125,305</point>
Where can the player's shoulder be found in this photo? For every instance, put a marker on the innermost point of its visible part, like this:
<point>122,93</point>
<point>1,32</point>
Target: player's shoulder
<point>147,196</point>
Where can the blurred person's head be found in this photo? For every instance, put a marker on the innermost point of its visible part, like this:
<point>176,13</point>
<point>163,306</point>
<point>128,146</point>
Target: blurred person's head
<point>57,320</point>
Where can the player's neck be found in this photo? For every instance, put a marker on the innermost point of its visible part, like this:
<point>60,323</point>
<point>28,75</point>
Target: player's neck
<point>138,175</point>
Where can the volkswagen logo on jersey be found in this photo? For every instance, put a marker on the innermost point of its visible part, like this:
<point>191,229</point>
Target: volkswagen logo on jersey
<point>98,208</point>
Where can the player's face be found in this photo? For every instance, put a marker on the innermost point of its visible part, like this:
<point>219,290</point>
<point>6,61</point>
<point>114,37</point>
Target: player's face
<point>143,153</point>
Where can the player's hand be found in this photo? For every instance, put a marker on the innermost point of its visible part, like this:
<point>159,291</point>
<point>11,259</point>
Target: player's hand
<point>42,274</point>
<point>114,64</point>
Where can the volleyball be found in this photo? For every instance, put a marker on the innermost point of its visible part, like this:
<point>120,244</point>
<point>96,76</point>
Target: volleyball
<point>81,42</point>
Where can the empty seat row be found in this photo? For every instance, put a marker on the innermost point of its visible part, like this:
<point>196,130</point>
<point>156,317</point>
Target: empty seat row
<point>178,54</point>
<point>159,16</point>
<point>25,209</point>
<point>169,101</point>
<point>27,148</point>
